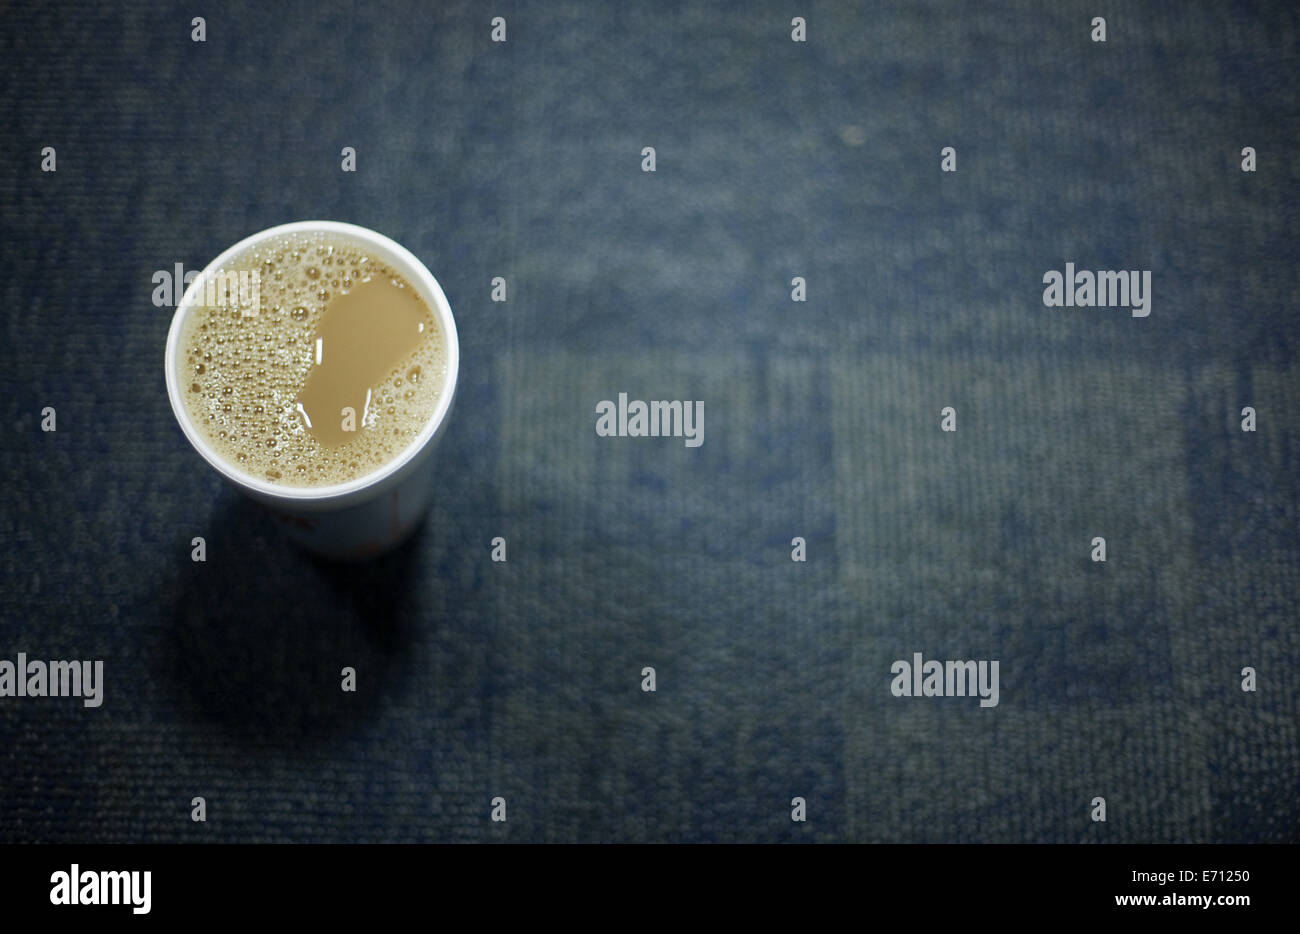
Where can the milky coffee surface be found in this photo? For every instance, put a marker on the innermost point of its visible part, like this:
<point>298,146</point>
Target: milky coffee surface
<point>335,373</point>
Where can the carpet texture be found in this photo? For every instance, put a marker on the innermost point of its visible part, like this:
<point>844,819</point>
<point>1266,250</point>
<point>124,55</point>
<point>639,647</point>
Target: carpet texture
<point>775,159</point>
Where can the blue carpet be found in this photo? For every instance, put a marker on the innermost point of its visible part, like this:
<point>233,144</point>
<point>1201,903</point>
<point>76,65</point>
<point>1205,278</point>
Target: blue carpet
<point>774,160</point>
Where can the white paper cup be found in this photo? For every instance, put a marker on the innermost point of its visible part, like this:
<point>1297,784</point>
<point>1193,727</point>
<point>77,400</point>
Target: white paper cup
<point>377,511</point>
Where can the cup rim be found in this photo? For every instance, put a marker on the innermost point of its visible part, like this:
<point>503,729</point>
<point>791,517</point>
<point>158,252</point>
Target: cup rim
<point>429,290</point>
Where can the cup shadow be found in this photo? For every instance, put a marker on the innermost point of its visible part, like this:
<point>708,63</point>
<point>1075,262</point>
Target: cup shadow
<point>258,635</point>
